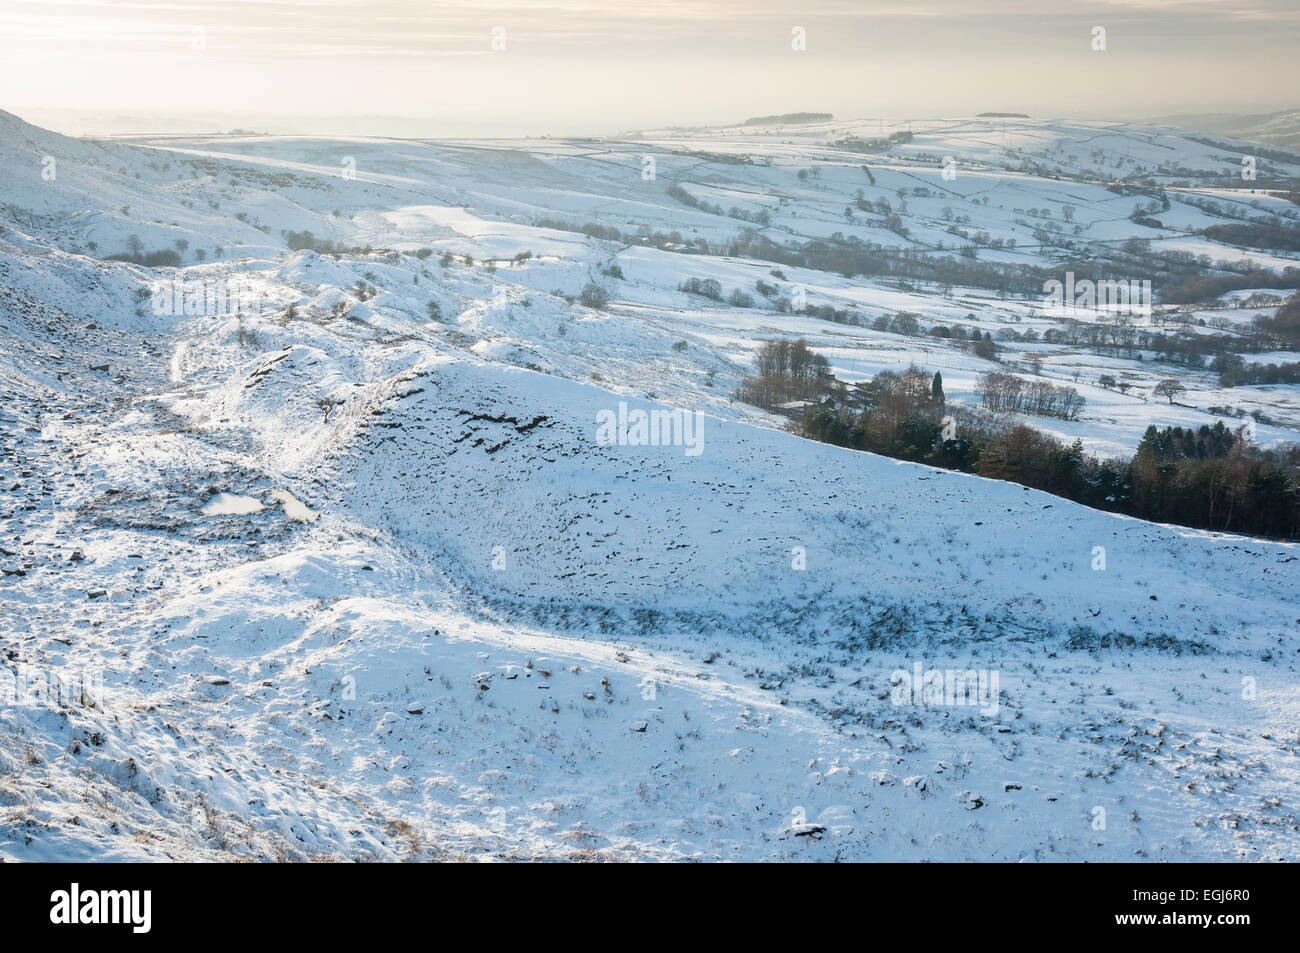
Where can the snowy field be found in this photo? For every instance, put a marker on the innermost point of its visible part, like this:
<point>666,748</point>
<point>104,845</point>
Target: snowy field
<point>341,569</point>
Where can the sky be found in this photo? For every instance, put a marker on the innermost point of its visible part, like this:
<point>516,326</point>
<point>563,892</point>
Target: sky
<point>566,67</point>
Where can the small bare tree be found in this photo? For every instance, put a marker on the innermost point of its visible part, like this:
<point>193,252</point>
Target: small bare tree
<point>1169,388</point>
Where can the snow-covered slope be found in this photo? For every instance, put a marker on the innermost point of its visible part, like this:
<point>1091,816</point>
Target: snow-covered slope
<point>1279,128</point>
<point>467,458</point>
<point>352,583</point>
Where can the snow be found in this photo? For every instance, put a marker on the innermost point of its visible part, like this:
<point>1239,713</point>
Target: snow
<point>360,584</point>
<point>229,504</point>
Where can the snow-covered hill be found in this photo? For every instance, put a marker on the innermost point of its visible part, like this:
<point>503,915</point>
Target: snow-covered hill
<point>1279,128</point>
<point>351,577</point>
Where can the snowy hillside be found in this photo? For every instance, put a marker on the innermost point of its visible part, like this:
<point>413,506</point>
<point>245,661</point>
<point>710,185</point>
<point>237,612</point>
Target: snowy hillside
<point>334,537</point>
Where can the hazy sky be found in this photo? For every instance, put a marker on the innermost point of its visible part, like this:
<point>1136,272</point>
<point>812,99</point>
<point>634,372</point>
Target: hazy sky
<point>602,66</point>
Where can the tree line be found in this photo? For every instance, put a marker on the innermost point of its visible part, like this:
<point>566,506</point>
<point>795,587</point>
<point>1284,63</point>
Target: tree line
<point>1211,477</point>
<point>1009,394</point>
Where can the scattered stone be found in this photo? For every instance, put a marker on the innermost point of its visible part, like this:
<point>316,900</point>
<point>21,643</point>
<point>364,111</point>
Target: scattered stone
<point>921,785</point>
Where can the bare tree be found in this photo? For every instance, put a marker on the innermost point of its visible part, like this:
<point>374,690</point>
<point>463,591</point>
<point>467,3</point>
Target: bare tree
<point>1169,388</point>
<point>594,296</point>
